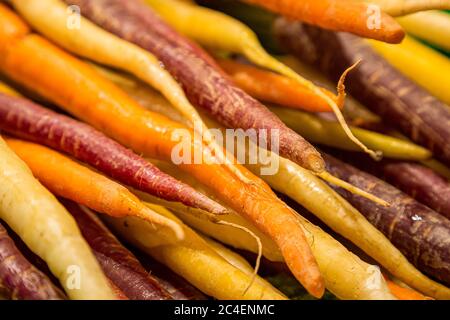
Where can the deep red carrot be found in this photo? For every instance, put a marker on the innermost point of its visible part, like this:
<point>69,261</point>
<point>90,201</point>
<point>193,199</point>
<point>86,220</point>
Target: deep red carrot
<point>30,121</point>
<point>119,264</point>
<point>375,83</point>
<point>19,278</point>
<point>204,85</point>
<point>350,16</point>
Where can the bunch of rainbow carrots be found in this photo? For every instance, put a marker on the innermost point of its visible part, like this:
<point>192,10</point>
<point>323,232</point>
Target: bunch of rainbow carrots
<point>116,181</point>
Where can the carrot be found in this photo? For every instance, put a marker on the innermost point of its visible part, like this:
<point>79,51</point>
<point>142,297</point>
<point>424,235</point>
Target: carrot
<point>119,264</point>
<point>237,261</point>
<point>178,287</point>
<point>419,182</point>
<point>48,229</point>
<point>431,26</point>
<point>403,7</point>
<point>194,259</point>
<point>437,167</point>
<point>8,90</point>
<point>378,85</point>
<point>404,293</point>
<point>419,63</point>
<point>331,134</point>
<point>270,87</point>
<point>137,23</point>
<point>353,110</point>
<point>19,279</point>
<point>68,179</point>
<point>349,16</point>
<point>33,122</point>
<point>417,231</point>
<point>90,41</point>
<point>231,35</point>
<point>103,105</point>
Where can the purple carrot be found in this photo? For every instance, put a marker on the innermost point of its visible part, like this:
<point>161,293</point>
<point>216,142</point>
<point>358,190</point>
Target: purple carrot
<point>421,183</point>
<point>30,121</point>
<point>19,278</point>
<point>375,83</point>
<point>204,84</point>
<point>420,233</point>
<point>414,179</point>
<point>118,263</point>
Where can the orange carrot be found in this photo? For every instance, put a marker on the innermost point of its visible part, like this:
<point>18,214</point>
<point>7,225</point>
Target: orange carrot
<point>351,16</point>
<point>77,88</point>
<point>271,87</point>
<point>404,293</point>
<point>71,180</point>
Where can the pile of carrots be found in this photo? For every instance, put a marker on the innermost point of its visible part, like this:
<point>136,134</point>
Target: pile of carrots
<point>97,95</point>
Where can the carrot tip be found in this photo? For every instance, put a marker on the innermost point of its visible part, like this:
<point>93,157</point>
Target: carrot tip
<point>351,188</point>
<point>155,218</point>
<point>316,163</point>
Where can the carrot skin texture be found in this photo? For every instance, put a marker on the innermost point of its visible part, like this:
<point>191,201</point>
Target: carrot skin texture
<point>109,109</point>
<point>119,264</point>
<point>349,16</point>
<point>204,85</point>
<point>420,183</point>
<point>20,278</point>
<point>416,180</point>
<point>375,83</point>
<point>420,233</point>
<point>30,121</point>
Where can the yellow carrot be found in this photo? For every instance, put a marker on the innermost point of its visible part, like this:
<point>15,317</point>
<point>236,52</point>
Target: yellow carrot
<point>330,133</point>
<point>431,26</point>
<point>236,260</point>
<point>194,260</point>
<point>4,88</point>
<point>420,63</point>
<point>402,7</point>
<point>438,167</point>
